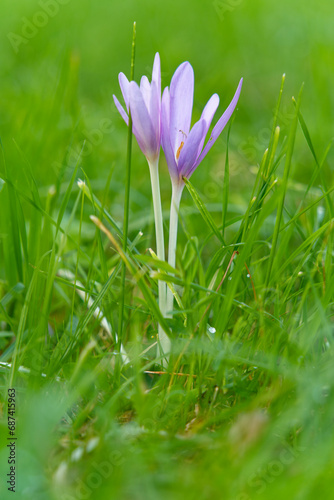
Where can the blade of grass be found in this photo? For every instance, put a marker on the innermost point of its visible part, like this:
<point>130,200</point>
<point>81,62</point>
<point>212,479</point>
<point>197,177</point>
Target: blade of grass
<point>319,169</point>
<point>283,189</point>
<point>126,208</point>
<point>87,190</point>
<point>272,147</point>
<point>138,274</point>
<point>224,312</point>
<point>9,215</point>
<point>66,198</point>
<point>309,242</point>
<point>226,184</point>
<point>203,210</point>
<point>21,328</point>
<point>265,172</point>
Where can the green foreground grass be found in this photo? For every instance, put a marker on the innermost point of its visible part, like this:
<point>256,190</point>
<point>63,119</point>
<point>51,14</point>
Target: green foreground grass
<point>245,409</point>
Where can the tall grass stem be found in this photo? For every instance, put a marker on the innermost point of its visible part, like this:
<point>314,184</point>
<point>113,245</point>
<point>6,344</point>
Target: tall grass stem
<point>127,199</point>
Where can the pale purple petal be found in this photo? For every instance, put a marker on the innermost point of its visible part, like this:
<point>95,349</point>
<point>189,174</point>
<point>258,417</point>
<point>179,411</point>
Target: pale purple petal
<point>123,114</point>
<point>143,128</point>
<point>124,84</point>
<point>155,111</point>
<point>165,134</point>
<point>189,152</point>
<point>165,104</point>
<point>207,115</point>
<point>209,110</point>
<point>121,110</point>
<point>181,103</point>
<point>218,128</point>
<point>156,73</point>
<point>145,88</point>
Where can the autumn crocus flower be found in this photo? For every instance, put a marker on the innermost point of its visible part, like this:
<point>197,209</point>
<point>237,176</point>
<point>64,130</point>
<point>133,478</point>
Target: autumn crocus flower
<point>144,104</point>
<point>182,145</point>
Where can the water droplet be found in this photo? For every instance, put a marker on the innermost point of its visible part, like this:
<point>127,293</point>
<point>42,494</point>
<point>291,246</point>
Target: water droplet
<point>248,275</point>
<point>212,329</point>
<point>230,278</point>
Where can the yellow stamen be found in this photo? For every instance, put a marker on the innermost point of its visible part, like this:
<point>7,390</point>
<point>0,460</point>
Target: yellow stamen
<point>179,150</point>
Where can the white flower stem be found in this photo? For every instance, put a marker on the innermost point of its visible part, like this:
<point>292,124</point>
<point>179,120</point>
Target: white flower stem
<point>164,342</point>
<point>177,189</point>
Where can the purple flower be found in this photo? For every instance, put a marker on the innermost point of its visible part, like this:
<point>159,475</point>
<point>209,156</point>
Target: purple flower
<point>183,147</point>
<point>144,103</point>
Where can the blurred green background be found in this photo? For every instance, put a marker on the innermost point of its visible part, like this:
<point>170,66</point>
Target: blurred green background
<point>59,65</point>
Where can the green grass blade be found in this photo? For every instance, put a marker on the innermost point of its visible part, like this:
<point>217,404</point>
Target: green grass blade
<point>203,210</point>
<point>67,195</point>
<point>283,189</point>
<point>226,184</point>
<point>127,200</point>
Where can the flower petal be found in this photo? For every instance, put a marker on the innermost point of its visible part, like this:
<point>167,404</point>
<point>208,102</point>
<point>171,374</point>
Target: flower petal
<point>156,73</point>
<point>207,115</point>
<point>181,103</point>
<point>210,109</point>
<point>190,151</point>
<point>121,110</point>
<point>165,135</point>
<point>124,84</point>
<point>155,100</point>
<point>142,124</point>
<point>145,88</point>
<point>218,128</point>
